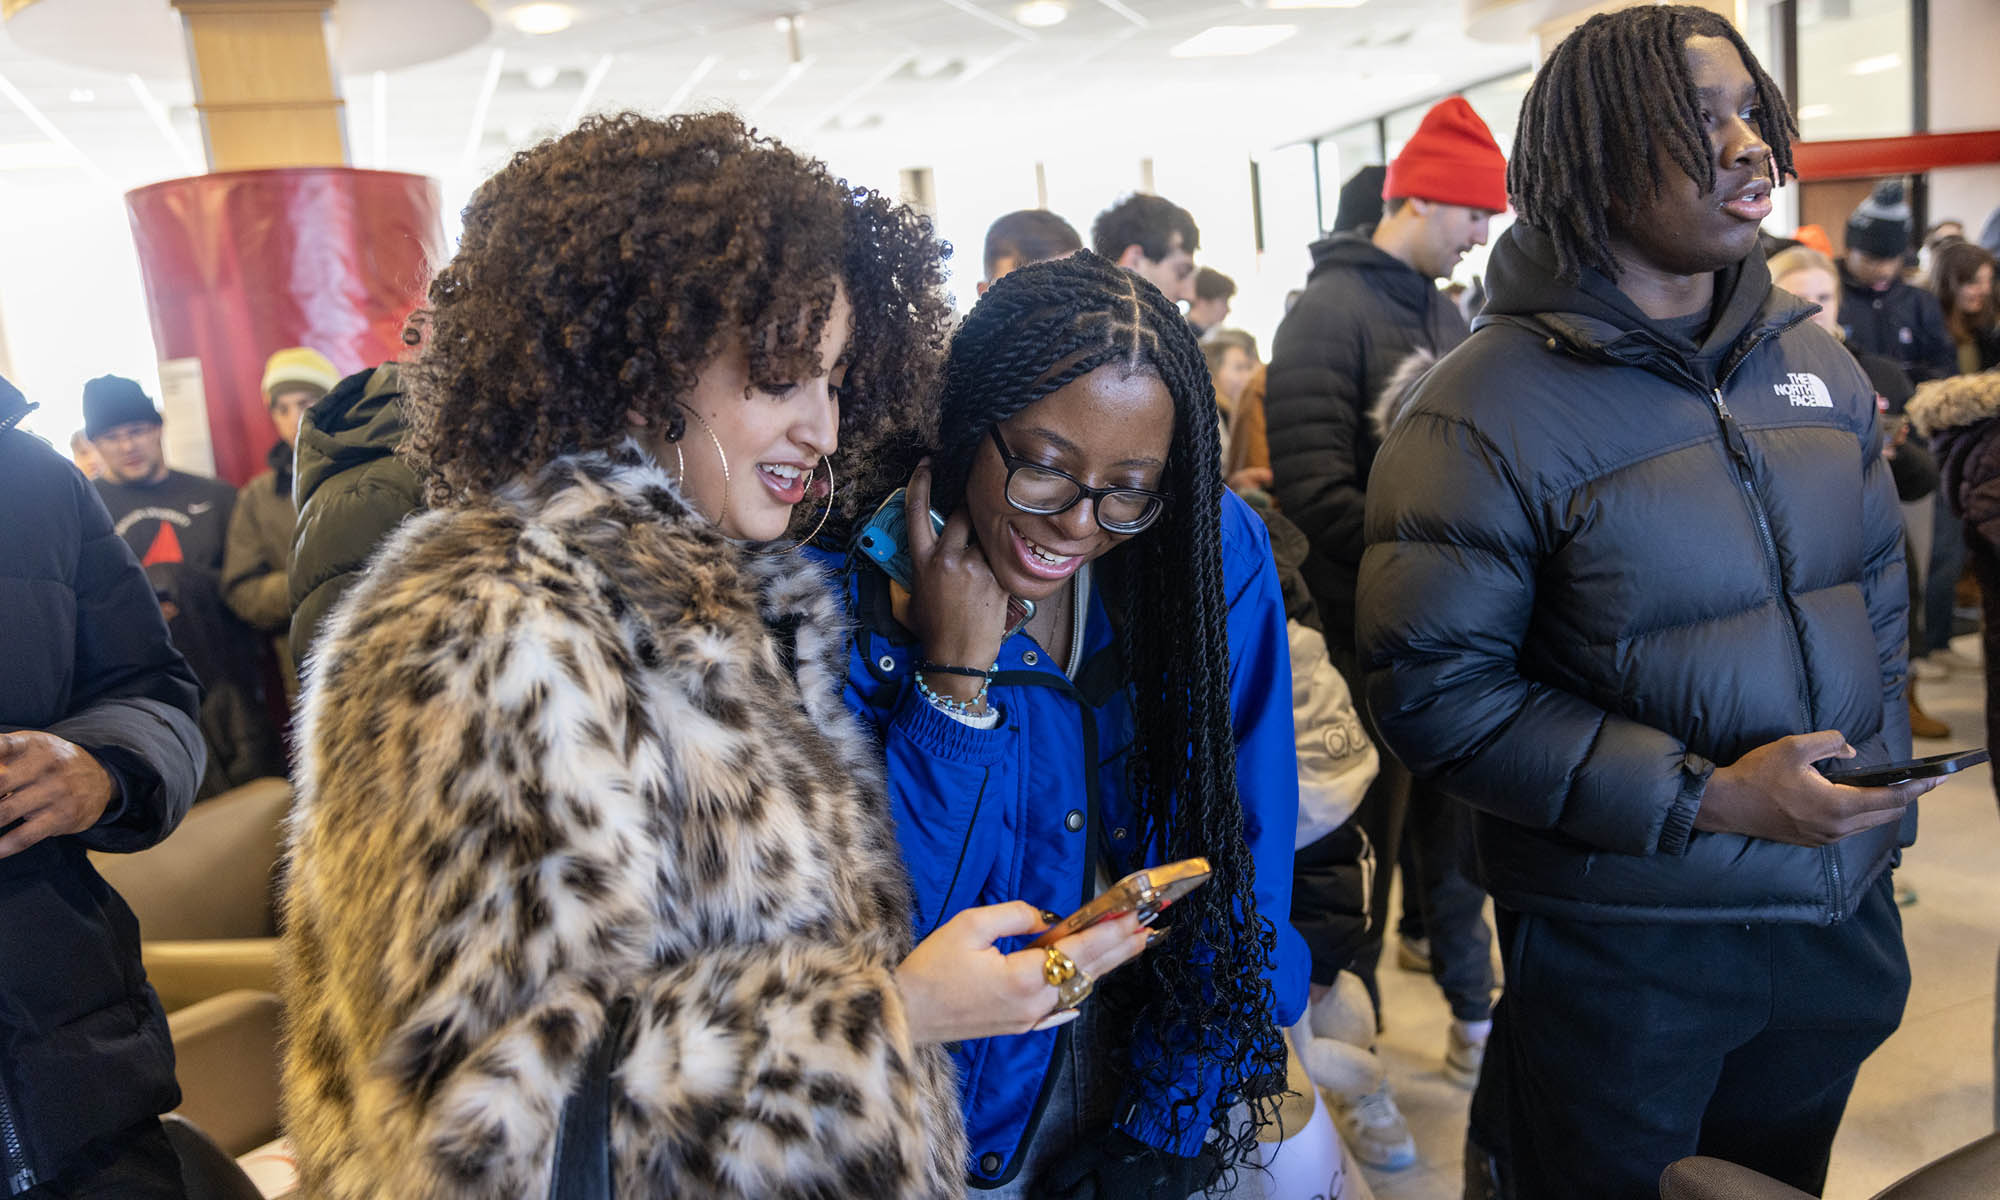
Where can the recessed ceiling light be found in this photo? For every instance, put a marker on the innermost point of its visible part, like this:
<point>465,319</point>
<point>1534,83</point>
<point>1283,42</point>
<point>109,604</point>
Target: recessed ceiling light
<point>542,75</point>
<point>1286,4</point>
<point>1875,65</point>
<point>1222,40</point>
<point>81,96</point>
<point>541,18</point>
<point>1040,14</point>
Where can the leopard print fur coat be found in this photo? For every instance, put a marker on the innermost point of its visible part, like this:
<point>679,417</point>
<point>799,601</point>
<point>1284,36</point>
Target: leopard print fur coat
<point>572,746</point>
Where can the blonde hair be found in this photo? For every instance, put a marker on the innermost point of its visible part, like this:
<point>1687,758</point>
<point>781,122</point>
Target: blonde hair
<point>1801,258</point>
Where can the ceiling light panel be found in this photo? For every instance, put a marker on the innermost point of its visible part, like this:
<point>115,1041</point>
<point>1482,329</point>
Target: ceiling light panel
<point>1225,41</point>
<point>539,19</point>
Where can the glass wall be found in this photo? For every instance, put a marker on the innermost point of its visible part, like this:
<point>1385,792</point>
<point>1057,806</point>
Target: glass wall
<point>1341,154</point>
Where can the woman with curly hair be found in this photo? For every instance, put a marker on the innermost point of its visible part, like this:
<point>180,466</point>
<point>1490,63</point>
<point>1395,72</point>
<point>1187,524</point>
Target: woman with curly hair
<point>1142,716</point>
<point>582,824</point>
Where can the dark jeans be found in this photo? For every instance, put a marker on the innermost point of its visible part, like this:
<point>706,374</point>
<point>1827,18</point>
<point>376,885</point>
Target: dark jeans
<point>1409,821</point>
<point>1618,1049</point>
<point>1437,833</point>
<point>139,1164</point>
<point>1941,580</point>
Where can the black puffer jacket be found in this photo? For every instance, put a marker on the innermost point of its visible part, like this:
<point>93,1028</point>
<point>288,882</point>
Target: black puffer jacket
<point>352,493</point>
<point>1603,560</point>
<point>1362,314</point>
<point>1902,323</point>
<point>84,655</point>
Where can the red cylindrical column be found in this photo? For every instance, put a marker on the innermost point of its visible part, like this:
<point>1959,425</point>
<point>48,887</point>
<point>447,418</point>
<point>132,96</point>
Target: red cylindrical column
<point>239,264</point>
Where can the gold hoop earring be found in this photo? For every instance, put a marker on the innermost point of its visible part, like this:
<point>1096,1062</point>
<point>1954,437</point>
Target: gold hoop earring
<point>827,511</point>
<point>772,549</point>
<point>720,457</point>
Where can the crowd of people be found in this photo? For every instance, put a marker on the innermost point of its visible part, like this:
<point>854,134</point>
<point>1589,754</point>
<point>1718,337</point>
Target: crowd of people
<point>707,670</point>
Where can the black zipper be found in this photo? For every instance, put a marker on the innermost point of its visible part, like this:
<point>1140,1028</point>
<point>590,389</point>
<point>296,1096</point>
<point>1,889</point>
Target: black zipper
<point>1739,454</point>
<point>19,1175</point>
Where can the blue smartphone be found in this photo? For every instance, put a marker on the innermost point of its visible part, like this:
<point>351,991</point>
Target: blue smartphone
<point>885,539</point>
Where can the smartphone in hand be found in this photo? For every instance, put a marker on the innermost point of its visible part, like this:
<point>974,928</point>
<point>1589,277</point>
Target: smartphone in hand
<point>1146,892</point>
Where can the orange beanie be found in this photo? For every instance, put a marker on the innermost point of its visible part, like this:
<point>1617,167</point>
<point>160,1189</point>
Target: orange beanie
<point>1451,159</point>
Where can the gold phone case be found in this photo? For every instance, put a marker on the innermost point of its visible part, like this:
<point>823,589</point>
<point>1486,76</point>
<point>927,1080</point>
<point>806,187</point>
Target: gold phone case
<point>1146,892</point>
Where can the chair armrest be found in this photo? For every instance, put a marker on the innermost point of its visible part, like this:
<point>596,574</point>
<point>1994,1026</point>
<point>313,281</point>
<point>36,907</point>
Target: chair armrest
<point>1714,1179</point>
<point>185,973</point>
<point>226,1059</point>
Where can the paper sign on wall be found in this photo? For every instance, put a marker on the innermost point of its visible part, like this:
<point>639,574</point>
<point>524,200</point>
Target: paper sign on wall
<point>184,405</point>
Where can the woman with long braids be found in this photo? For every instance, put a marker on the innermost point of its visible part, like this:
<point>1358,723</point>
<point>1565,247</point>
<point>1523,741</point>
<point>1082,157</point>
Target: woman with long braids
<point>580,812</point>
<point>1142,716</point>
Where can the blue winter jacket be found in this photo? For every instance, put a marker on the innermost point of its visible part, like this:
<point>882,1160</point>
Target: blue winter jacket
<point>1012,813</point>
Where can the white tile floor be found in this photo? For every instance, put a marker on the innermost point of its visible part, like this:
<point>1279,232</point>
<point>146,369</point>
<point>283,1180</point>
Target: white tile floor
<point>1927,1091</point>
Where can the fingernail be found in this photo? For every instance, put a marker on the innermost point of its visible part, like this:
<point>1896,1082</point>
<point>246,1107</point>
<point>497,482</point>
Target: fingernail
<point>1054,1019</point>
<point>1153,935</point>
<point>1149,916</point>
<point>1049,918</point>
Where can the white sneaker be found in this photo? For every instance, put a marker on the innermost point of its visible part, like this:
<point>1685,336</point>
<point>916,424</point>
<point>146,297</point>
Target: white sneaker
<point>1374,1128</point>
<point>1465,1051</point>
<point>1929,668</point>
<point>1950,659</point>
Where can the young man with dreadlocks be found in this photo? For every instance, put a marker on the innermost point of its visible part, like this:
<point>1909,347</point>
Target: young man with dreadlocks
<point>1142,716</point>
<point>1634,567</point>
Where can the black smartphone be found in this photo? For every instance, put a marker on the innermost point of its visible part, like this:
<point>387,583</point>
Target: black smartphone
<point>1890,774</point>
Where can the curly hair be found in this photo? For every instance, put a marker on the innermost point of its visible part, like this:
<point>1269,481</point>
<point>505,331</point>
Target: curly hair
<point>601,270</point>
<point>1613,91</point>
<point>1203,993</point>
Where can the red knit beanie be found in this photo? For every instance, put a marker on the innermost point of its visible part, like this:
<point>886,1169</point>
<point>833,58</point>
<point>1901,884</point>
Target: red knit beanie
<point>1451,159</point>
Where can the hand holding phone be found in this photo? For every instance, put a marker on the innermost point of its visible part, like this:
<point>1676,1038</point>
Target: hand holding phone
<point>1774,792</point>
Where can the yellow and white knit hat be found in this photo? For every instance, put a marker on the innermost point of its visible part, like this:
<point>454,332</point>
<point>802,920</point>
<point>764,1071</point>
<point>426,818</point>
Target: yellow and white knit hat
<point>298,367</point>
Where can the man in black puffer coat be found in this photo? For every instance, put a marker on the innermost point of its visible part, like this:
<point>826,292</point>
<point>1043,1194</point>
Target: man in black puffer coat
<point>1370,304</point>
<point>1634,567</point>
<point>99,750</point>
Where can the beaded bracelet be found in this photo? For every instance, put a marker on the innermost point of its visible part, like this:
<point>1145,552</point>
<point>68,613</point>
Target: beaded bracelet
<point>966,672</point>
<point>975,707</point>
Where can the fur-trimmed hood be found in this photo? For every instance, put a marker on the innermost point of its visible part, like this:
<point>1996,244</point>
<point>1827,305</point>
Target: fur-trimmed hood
<point>1400,390</point>
<point>1955,403</point>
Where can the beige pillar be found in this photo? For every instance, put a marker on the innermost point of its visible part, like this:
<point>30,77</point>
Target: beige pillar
<point>263,83</point>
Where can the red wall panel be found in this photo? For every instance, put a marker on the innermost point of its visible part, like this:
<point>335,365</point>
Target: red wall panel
<point>238,264</point>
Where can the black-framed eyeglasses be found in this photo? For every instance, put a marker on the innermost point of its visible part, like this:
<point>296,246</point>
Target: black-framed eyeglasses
<point>1047,492</point>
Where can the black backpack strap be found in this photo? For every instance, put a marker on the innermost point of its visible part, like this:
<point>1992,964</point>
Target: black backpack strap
<point>583,1139</point>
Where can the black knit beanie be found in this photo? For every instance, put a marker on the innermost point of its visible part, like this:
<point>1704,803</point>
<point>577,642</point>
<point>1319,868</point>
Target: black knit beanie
<point>1881,226</point>
<point>112,400</point>
<point>1360,200</point>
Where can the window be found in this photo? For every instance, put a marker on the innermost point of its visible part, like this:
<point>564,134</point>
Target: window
<point>1855,73</point>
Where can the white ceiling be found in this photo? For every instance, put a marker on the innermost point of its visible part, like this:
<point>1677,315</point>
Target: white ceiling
<point>904,82</point>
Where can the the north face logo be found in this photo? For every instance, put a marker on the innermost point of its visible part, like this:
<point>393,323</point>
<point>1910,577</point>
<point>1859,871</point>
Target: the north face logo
<point>1805,390</point>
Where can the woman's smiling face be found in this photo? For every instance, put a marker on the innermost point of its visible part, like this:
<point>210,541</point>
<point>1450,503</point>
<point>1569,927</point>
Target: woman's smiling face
<point>1107,429</point>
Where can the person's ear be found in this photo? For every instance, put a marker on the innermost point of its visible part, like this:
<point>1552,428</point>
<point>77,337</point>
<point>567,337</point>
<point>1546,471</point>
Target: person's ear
<point>637,419</point>
<point>980,287</point>
<point>1132,257</point>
